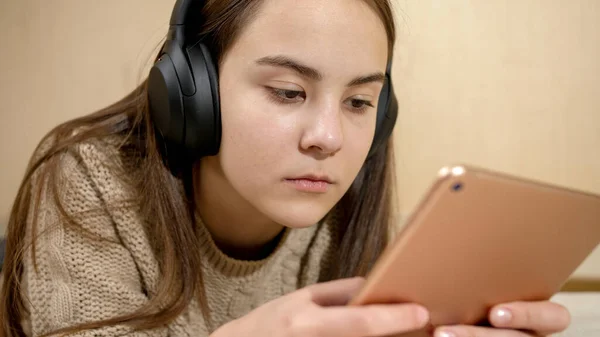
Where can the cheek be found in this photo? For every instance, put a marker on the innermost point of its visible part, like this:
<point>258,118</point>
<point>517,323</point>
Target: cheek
<point>253,141</point>
<point>357,144</point>
<point>359,136</point>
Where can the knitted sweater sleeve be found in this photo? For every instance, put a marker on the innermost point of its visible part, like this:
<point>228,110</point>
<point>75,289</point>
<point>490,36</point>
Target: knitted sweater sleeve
<point>88,270</point>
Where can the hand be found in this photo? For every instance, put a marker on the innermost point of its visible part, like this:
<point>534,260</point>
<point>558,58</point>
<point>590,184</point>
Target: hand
<point>518,319</point>
<point>318,311</point>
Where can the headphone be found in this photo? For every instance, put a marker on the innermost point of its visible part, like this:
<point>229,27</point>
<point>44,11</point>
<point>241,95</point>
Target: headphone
<point>183,92</point>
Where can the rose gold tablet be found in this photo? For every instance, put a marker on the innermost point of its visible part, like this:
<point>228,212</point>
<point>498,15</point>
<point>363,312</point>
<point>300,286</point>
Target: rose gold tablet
<point>481,238</point>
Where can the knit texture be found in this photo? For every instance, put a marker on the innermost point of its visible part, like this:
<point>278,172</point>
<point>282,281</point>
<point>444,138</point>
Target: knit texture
<point>79,279</point>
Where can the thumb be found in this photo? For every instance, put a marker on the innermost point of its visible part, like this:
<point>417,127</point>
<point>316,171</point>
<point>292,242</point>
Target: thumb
<point>334,293</point>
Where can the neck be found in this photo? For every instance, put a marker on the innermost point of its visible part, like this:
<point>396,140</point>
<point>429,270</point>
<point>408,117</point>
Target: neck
<point>237,228</point>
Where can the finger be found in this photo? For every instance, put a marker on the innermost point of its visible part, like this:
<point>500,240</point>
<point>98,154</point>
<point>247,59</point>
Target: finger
<point>475,331</point>
<point>338,292</point>
<point>370,320</point>
<point>543,317</point>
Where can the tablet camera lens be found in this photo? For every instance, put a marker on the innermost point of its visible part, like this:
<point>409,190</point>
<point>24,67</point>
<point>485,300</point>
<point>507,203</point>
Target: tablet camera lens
<point>457,187</point>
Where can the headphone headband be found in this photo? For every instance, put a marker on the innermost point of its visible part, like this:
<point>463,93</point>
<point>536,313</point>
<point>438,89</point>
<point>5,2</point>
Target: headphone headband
<point>182,10</point>
<point>183,13</point>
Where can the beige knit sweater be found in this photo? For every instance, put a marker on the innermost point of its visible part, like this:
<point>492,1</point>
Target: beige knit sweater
<point>80,280</point>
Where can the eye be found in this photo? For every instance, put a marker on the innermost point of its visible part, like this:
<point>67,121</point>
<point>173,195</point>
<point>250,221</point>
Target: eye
<point>287,96</point>
<point>359,105</point>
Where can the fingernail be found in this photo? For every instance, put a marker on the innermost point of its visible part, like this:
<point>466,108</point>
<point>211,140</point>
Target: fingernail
<point>502,316</point>
<point>445,333</point>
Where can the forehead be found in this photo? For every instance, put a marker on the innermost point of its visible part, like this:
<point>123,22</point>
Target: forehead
<point>334,35</point>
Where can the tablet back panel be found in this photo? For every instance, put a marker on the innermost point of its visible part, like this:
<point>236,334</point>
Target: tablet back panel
<point>481,238</point>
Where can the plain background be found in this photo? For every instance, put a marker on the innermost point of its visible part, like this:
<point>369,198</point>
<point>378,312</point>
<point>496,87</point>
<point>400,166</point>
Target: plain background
<point>512,85</point>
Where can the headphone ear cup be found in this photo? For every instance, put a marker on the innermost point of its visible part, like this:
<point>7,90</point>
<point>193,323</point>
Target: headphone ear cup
<point>387,113</point>
<point>166,100</point>
<point>202,110</point>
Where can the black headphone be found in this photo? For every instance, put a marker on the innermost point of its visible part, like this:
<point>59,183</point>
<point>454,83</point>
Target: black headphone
<point>183,92</point>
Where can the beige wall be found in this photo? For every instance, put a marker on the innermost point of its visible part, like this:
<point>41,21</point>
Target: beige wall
<point>62,59</point>
<point>512,85</point>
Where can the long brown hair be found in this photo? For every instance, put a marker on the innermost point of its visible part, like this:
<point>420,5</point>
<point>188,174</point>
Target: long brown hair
<point>367,207</point>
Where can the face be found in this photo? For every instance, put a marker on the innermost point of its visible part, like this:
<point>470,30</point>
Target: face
<point>299,90</point>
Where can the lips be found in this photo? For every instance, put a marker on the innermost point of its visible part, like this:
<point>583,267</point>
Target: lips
<point>311,183</point>
<point>313,177</point>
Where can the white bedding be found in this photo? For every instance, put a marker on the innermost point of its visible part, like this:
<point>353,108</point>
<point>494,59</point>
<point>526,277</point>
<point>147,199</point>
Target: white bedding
<point>585,312</point>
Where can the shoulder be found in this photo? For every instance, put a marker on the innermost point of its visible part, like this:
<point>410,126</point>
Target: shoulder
<point>81,182</point>
<point>92,167</point>
<point>92,259</point>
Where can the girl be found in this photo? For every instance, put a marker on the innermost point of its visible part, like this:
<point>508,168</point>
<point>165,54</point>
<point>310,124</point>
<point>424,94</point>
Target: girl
<point>120,229</point>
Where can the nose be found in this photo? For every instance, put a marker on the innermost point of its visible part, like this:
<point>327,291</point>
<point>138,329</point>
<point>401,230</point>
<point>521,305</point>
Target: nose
<point>324,133</point>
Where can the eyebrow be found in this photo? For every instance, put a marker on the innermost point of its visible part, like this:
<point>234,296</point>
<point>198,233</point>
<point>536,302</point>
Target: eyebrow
<point>312,73</point>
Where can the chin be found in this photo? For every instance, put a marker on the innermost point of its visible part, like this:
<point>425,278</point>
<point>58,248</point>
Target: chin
<point>298,214</point>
